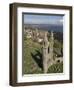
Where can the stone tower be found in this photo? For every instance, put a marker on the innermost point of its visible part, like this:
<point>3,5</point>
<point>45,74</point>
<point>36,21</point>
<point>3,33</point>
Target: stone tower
<point>51,46</point>
<point>45,53</point>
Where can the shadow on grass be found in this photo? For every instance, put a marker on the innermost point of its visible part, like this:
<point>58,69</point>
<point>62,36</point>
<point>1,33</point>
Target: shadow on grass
<point>38,58</point>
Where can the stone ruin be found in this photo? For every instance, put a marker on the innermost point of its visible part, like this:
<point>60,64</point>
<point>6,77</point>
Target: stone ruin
<point>47,47</point>
<point>47,52</point>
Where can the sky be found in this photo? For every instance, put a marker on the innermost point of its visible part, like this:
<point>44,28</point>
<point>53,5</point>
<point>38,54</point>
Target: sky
<point>43,19</point>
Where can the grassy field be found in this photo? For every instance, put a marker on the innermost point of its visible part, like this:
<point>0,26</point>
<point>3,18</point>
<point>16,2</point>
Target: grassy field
<point>33,59</point>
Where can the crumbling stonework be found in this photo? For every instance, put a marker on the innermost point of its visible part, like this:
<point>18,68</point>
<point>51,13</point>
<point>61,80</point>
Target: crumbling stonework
<point>47,52</point>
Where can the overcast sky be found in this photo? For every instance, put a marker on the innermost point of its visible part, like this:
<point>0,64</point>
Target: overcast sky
<point>43,19</point>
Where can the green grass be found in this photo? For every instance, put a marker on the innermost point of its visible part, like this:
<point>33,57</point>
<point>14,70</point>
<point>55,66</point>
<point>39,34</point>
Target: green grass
<point>30,65</point>
<point>32,61</point>
<point>56,68</point>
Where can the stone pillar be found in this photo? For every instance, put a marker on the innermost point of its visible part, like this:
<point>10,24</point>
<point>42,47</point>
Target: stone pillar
<point>45,53</point>
<point>51,46</point>
<point>36,35</point>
